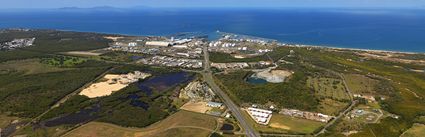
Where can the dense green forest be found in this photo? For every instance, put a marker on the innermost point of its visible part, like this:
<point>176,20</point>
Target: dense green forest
<point>31,95</point>
<point>291,94</point>
<point>27,94</point>
<point>51,41</point>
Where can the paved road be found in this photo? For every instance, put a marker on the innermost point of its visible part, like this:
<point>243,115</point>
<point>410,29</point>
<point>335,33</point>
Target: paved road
<point>236,111</point>
<point>354,103</point>
<point>340,115</point>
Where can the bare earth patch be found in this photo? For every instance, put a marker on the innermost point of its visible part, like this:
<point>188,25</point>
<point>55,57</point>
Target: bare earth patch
<point>274,76</point>
<point>85,53</point>
<point>200,107</point>
<point>113,38</point>
<point>112,83</point>
<point>280,126</point>
<point>103,88</point>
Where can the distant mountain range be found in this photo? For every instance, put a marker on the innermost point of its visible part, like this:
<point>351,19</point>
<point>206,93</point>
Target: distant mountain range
<point>102,8</point>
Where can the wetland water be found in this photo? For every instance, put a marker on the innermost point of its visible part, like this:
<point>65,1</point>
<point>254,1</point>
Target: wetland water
<point>159,83</point>
<point>164,82</point>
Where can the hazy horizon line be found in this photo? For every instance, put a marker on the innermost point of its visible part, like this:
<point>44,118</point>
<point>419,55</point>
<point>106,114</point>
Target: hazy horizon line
<point>225,7</point>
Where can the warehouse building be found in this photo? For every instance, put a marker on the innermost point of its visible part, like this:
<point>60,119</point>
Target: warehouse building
<point>214,104</point>
<point>260,116</point>
<point>158,43</point>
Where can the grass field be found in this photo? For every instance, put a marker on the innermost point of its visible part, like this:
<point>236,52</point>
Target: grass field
<point>262,128</point>
<point>331,107</point>
<point>62,61</point>
<point>418,130</point>
<point>28,66</point>
<point>403,88</point>
<point>360,84</point>
<point>122,56</point>
<point>182,123</point>
<point>6,120</point>
<point>218,57</point>
<point>328,87</point>
<point>295,124</point>
<point>184,132</point>
<point>44,132</point>
<point>285,124</point>
<point>420,119</point>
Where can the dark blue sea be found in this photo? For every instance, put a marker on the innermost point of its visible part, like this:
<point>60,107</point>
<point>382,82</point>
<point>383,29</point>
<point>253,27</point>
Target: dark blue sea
<point>389,29</point>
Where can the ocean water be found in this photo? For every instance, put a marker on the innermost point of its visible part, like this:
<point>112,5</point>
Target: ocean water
<point>391,29</point>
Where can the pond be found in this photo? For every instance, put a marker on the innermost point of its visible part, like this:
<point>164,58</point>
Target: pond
<point>227,127</point>
<point>134,58</point>
<point>255,80</point>
<point>163,82</point>
<point>10,129</point>
<point>136,102</point>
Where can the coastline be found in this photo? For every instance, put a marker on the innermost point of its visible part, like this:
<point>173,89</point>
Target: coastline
<point>279,42</point>
<point>356,49</point>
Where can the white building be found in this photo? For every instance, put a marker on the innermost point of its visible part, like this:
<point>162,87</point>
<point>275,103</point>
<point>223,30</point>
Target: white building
<point>180,41</point>
<point>260,116</point>
<point>158,43</point>
<point>214,104</point>
<point>132,44</point>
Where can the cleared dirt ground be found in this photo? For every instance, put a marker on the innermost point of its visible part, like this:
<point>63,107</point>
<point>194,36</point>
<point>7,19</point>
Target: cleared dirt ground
<point>103,88</point>
<point>83,53</point>
<point>200,107</point>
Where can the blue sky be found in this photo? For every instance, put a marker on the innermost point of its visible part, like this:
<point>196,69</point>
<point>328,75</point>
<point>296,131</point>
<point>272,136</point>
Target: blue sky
<point>11,4</point>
